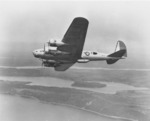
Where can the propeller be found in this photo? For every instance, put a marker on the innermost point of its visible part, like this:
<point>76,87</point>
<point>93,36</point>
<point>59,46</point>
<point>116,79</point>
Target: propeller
<point>42,63</point>
<point>44,48</point>
<point>48,43</point>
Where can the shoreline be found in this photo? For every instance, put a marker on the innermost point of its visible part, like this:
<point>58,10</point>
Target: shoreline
<point>103,89</point>
<point>67,105</point>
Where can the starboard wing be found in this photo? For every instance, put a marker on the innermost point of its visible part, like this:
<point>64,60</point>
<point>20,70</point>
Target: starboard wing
<point>74,39</point>
<point>63,67</point>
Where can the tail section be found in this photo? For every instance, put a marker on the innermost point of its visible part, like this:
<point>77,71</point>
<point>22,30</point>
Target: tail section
<point>121,46</point>
<point>120,53</point>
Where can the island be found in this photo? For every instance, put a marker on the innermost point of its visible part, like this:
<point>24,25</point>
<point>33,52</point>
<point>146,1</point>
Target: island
<point>86,84</point>
<point>113,105</point>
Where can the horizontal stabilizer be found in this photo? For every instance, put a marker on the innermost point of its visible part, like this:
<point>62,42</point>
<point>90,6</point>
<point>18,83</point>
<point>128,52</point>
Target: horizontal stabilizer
<point>111,61</point>
<point>120,52</point>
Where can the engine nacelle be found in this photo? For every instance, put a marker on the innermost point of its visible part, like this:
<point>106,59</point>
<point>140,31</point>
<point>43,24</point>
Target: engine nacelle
<point>55,43</point>
<point>59,52</point>
<point>54,51</point>
<point>50,63</point>
<point>50,50</point>
<point>82,60</point>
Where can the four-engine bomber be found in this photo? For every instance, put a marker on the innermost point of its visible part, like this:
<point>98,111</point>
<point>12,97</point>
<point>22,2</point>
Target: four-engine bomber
<point>63,54</point>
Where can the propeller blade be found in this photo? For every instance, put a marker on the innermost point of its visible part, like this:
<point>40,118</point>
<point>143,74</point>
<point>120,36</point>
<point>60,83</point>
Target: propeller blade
<point>48,43</point>
<point>42,62</point>
<point>44,48</point>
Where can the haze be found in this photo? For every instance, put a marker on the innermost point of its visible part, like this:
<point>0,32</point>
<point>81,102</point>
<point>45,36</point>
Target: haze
<point>26,26</point>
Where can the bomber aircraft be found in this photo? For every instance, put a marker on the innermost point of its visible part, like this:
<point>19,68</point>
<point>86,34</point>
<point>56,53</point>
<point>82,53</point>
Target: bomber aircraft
<point>63,54</point>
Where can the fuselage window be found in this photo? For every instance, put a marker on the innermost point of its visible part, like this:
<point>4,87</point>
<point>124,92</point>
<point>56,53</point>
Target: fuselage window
<point>94,53</point>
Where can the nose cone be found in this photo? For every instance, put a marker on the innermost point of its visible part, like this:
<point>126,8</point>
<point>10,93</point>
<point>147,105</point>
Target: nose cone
<point>34,53</point>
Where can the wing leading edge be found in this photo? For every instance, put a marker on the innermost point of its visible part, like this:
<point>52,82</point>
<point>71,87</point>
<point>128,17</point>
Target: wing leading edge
<point>74,39</point>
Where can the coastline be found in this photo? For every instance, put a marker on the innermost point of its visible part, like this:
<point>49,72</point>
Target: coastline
<point>108,106</point>
<point>66,105</point>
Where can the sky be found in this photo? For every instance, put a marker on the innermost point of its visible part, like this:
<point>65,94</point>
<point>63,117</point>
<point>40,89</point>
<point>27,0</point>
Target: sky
<point>26,26</point>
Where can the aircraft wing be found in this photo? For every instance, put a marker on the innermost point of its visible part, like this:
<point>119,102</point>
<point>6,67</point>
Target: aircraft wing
<point>63,67</point>
<point>74,39</point>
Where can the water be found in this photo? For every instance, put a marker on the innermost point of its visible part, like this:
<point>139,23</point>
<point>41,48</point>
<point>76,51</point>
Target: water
<point>111,87</point>
<point>14,108</point>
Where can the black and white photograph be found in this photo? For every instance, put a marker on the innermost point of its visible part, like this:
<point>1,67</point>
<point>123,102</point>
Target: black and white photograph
<point>68,60</point>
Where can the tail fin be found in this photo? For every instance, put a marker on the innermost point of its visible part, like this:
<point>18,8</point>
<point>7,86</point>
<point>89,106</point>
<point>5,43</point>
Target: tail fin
<point>120,53</point>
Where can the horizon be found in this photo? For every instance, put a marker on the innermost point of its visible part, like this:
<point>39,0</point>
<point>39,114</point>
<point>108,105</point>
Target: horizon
<point>26,26</point>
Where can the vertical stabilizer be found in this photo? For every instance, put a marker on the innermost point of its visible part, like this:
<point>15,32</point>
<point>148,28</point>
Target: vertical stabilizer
<point>121,46</point>
<point>120,53</point>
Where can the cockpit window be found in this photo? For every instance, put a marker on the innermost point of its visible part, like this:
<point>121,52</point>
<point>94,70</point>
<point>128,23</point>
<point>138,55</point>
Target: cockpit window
<point>40,50</point>
<point>94,53</point>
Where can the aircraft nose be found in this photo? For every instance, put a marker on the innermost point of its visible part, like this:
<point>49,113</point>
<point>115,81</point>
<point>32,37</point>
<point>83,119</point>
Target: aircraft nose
<point>34,53</point>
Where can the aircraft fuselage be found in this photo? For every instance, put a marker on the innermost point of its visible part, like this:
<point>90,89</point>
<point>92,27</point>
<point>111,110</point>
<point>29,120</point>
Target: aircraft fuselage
<point>85,57</point>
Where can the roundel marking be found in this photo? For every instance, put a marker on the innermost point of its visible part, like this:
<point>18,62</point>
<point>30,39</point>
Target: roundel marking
<point>87,53</point>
